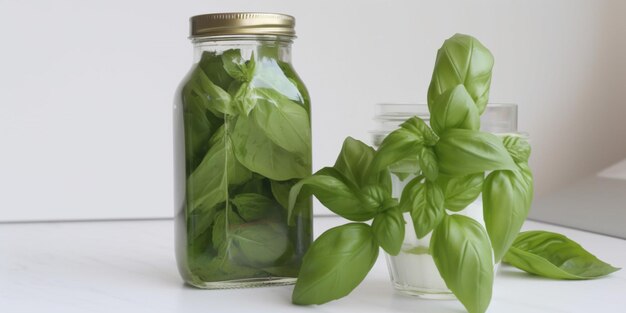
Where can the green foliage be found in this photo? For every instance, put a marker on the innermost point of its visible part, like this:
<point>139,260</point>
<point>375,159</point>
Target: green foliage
<point>246,144</point>
<point>555,256</point>
<point>424,200</point>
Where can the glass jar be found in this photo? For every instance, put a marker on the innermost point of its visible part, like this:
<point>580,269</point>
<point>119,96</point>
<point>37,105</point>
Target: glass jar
<point>242,138</point>
<point>413,270</point>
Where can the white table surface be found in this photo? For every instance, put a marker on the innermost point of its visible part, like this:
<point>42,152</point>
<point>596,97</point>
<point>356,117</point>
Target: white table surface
<point>129,267</point>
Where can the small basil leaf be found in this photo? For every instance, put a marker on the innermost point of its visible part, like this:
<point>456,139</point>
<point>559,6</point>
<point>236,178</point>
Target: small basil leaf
<point>507,196</point>
<point>252,206</point>
<point>283,121</point>
<point>454,109</point>
<point>388,228</point>
<point>212,65</point>
<point>260,154</point>
<point>555,256</point>
<point>425,203</point>
<point>462,59</point>
<point>460,191</point>
<point>518,148</point>
<point>244,98</point>
<point>354,160</point>
<point>404,142</point>
<point>461,251</point>
<point>235,65</point>
<point>428,163</point>
<point>335,264</point>
<point>463,152</point>
<point>336,193</point>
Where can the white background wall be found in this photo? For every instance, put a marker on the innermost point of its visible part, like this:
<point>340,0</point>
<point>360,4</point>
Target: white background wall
<point>86,87</point>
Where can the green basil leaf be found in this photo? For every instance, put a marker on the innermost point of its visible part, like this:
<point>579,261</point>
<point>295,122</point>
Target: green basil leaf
<point>218,100</point>
<point>335,264</point>
<point>460,191</point>
<point>388,227</point>
<point>462,59</point>
<point>208,184</point>
<point>244,98</point>
<point>212,65</point>
<point>258,244</point>
<point>280,191</point>
<point>518,148</point>
<point>235,65</point>
<point>454,109</point>
<point>252,206</point>
<point>461,251</point>
<point>354,160</point>
<point>376,199</point>
<point>260,154</point>
<point>405,167</point>
<point>555,256</point>
<point>283,121</point>
<point>336,193</point>
<point>463,152</point>
<point>507,196</point>
<point>404,142</point>
<point>425,202</point>
<point>428,163</point>
<point>224,221</point>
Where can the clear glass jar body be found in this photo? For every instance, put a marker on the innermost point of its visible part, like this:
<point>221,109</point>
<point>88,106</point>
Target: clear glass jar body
<point>413,270</point>
<point>241,140</point>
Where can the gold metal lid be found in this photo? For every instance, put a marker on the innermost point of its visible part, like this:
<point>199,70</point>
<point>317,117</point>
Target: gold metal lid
<point>242,23</point>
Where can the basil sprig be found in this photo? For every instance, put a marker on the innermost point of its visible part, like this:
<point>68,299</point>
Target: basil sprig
<point>448,163</point>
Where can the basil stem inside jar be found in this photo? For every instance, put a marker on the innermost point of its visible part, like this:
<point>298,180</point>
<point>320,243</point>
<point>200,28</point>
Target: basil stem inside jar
<point>242,139</point>
<point>413,270</point>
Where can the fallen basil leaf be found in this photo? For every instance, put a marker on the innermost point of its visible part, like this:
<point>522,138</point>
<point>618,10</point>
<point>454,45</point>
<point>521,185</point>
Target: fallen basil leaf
<point>507,196</point>
<point>555,256</point>
<point>462,59</point>
<point>463,152</point>
<point>335,264</point>
<point>424,200</point>
<point>388,227</point>
<point>454,109</point>
<point>461,250</point>
<point>460,191</point>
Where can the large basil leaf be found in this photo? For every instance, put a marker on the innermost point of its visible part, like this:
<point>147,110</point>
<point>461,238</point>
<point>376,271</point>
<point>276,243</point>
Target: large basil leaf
<point>460,191</point>
<point>404,142</point>
<point>507,196</point>
<point>462,59</point>
<point>454,109</point>
<point>354,163</point>
<point>556,256</point>
<point>283,121</point>
<point>461,251</point>
<point>518,148</point>
<point>252,206</point>
<point>425,202</point>
<point>199,124</point>
<point>208,184</point>
<point>388,228</point>
<point>463,152</point>
<point>269,75</point>
<point>336,193</point>
<point>261,155</point>
<point>335,264</point>
<point>427,161</point>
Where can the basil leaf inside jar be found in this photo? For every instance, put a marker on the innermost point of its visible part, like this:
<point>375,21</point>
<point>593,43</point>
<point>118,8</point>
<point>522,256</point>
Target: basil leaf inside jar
<point>245,135</point>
